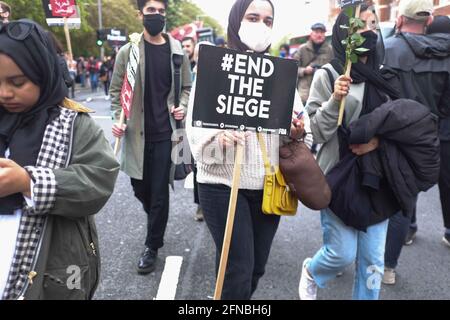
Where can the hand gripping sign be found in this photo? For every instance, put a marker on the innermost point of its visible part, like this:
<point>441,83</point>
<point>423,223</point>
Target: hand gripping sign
<point>242,91</point>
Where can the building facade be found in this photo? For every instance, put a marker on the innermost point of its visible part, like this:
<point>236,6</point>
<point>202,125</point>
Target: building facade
<point>388,9</point>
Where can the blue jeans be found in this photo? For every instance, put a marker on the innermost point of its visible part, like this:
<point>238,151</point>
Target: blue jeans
<point>341,246</point>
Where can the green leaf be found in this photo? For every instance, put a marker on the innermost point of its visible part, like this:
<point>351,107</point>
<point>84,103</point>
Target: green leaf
<point>361,50</point>
<point>360,42</point>
<point>344,42</point>
<point>349,11</point>
<point>353,58</point>
<point>343,26</point>
<point>359,23</point>
<point>357,37</point>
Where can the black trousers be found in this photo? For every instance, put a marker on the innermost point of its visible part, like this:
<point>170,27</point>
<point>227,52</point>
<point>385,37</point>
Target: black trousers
<point>253,233</point>
<point>153,190</point>
<point>399,225</point>
<point>444,182</point>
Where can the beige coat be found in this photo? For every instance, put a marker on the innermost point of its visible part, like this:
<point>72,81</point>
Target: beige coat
<point>306,57</point>
<point>132,159</point>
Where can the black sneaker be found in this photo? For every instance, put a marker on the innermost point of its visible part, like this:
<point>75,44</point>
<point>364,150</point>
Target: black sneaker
<point>410,236</point>
<point>147,261</point>
<point>446,239</point>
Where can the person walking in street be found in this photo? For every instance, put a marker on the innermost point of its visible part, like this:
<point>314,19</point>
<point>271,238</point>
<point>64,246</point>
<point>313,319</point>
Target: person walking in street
<point>441,24</point>
<point>147,145</point>
<point>188,44</point>
<point>190,47</point>
<point>365,90</point>
<point>57,170</point>
<point>104,75</point>
<point>285,51</point>
<point>423,64</point>
<point>94,70</point>
<point>249,28</point>
<point>311,56</point>
<point>5,12</point>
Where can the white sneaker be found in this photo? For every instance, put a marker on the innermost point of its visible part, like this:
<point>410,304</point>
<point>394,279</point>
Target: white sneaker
<point>389,276</point>
<point>307,288</point>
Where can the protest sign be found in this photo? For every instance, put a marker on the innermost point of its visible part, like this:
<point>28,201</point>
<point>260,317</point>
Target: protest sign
<point>244,91</point>
<point>59,13</point>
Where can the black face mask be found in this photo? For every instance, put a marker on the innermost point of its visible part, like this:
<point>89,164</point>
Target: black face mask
<point>370,43</point>
<point>154,23</point>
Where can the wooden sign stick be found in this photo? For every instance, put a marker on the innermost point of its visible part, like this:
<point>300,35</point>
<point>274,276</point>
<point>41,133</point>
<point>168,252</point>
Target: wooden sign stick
<point>230,221</point>
<point>121,122</point>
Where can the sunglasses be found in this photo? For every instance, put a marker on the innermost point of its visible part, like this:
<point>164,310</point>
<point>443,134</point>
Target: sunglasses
<point>17,30</point>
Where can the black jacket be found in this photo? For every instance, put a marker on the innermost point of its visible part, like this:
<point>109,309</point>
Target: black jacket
<point>423,65</point>
<point>373,187</point>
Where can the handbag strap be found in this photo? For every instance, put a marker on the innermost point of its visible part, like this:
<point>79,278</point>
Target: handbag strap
<point>262,145</point>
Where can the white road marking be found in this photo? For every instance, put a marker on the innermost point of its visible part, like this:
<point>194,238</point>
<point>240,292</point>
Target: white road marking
<point>169,279</point>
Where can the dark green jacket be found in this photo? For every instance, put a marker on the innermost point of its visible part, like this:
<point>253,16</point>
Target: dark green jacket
<point>69,241</point>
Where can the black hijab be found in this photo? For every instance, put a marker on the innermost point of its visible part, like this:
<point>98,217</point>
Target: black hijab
<point>22,133</point>
<point>377,85</point>
<point>237,13</point>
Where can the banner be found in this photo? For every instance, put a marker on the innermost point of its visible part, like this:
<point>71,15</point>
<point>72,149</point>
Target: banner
<point>129,81</point>
<point>116,37</point>
<point>57,10</point>
<point>245,91</point>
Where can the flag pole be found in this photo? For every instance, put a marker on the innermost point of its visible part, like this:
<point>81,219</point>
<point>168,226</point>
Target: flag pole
<point>121,122</point>
<point>67,34</point>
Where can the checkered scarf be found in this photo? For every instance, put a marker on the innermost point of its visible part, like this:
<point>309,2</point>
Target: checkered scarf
<point>54,154</point>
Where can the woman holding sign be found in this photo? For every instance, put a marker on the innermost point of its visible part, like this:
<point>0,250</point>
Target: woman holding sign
<point>250,26</point>
<point>365,90</point>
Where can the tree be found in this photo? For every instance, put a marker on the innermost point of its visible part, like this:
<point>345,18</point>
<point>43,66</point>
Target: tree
<point>182,12</point>
<point>120,14</point>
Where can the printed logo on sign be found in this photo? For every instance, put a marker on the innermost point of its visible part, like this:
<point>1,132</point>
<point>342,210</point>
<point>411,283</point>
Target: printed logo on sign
<point>282,131</point>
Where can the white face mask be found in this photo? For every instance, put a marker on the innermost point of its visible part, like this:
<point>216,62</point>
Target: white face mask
<point>255,35</point>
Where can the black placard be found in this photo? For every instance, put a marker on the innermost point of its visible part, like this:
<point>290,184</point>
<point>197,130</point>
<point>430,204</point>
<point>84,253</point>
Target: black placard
<point>244,91</point>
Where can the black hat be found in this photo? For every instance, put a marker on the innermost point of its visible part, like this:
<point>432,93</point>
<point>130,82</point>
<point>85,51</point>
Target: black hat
<point>320,26</point>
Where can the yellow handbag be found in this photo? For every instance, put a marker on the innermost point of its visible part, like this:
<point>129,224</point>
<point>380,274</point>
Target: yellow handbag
<point>278,198</point>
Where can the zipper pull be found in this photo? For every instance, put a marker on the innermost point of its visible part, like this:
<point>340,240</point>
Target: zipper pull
<point>94,252</point>
<point>31,276</point>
